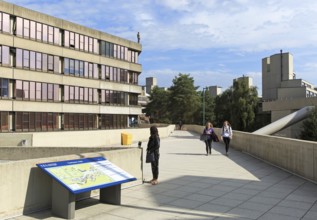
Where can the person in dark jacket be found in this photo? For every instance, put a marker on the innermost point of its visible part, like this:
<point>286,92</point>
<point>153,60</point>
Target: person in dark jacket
<point>207,131</point>
<point>154,146</point>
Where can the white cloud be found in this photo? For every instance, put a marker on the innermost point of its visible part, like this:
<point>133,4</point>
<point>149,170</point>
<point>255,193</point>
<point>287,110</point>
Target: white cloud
<point>244,27</point>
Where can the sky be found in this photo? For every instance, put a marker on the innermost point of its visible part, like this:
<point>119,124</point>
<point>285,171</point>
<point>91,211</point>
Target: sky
<point>214,41</point>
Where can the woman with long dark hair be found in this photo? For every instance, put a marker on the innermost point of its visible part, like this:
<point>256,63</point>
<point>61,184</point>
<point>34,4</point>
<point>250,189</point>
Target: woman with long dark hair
<point>208,131</point>
<point>153,146</point>
<point>226,135</point>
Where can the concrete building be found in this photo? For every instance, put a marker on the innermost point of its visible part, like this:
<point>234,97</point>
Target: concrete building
<point>282,93</point>
<point>247,79</point>
<point>279,79</point>
<point>150,83</point>
<point>59,76</point>
<point>214,90</point>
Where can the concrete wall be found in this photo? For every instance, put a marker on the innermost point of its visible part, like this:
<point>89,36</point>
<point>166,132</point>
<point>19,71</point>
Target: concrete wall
<point>80,138</point>
<point>296,156</point>
<point>25,188</point>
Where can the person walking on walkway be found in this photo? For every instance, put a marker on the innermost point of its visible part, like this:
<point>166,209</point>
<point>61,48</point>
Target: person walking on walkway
<point>153,146</point>
<point>226,135</point>
<point>208,140</point>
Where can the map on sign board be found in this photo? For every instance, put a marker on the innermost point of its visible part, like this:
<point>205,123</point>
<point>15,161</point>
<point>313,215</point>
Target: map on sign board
<point>86,174</point>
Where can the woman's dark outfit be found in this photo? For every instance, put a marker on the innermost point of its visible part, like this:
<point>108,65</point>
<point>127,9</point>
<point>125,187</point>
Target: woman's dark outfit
<point>208,142</point>
<point>153,146</point>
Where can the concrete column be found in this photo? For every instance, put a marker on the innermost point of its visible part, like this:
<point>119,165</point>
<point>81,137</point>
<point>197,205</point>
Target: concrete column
<point>111,195</point>
<point>63,201</point>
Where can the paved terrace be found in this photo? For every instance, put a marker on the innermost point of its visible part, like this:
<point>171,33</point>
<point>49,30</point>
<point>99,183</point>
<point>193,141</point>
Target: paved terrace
<point>195,186</point>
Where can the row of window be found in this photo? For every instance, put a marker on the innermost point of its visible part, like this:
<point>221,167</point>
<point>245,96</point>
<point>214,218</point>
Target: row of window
<point>32,60</point>
<point>36,61</point>
<point>49,121</point>
<point>48,34</point>
<point>36,31</point>
<point>39,91</point>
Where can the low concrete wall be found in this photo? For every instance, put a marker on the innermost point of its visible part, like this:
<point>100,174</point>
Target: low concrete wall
<point>80,138</point>
<point>293,155</point>
<point>25,188</point>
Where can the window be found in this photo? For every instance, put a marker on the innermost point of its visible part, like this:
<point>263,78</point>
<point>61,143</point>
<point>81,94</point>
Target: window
<point>19,58</point>
<point>77,41</point>
<point>26,28</point>
<point>81,42</point>
<point>32,90</point>
<point>44,62</point>
<point>44,91</point>
<point>50,91</point>
<point>32,60</point>
<point>50,63</point>
<point>71,67</point>
<point>39,31</point>
<point>5,56</point>
<point>81,69</point>
<point>5,22</point>
<point>66,93</point>
<point>56,64</point>
<point>4,121</point>
<point>103,72</point>
<point>38,61</point>
<point>4,88</point>
<point>26,90</point>
<point>72,39</point>
<point>44,33</point>
<point>91,46</point>
<point>33,30</point>
<point>19,27</point>
<point>66,38</point>
<point>50,34</point>
<point>96,47</point>
<point>56,36</point>
<point>66,66</point>
<point>26,59</point>
<point>38,93</point>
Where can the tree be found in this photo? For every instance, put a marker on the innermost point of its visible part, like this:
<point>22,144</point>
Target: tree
<point>209,108</point>
<point>309,131</point>
<point>184,100</point>
<point>244,105</point>
<point>238,105</point>
<point>223,107</point>
<point>158,106</point>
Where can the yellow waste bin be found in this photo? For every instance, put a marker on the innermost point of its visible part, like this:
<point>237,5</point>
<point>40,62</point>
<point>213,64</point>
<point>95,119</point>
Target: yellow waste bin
<point>126,139</point>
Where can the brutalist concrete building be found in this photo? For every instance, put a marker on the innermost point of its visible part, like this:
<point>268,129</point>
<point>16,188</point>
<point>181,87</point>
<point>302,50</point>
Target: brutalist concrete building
<point>59,76</point>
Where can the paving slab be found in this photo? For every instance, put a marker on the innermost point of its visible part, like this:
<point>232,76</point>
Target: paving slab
<point>195,186</point>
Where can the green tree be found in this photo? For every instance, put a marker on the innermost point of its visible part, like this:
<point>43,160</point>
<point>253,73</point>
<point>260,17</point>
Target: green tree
<point>244,105</point>
<point>184,100</point>
<point>158,107</point>
<point>223,108</point>
<point>309,131</point>
<point>209,108</point>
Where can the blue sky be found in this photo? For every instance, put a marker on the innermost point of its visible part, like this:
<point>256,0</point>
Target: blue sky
<point>214,41</point>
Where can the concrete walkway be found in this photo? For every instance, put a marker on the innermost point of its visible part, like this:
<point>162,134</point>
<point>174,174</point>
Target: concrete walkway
<point>195,186</point>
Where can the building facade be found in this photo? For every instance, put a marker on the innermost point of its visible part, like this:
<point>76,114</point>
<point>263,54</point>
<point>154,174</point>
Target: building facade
<point>282,93</point>
<point>214,91</point>
<point>59,76</point>
<point>279,79</point>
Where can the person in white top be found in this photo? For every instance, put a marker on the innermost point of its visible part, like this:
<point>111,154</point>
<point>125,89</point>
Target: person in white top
<point>226,134</point>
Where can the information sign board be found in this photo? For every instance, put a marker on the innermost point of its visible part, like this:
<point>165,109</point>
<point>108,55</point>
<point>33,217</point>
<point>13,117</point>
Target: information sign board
<point>86,174</point>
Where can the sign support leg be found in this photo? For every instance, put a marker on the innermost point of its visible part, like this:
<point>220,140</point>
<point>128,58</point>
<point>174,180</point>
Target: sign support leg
<point>111,195</point>
<point>63,201</point>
